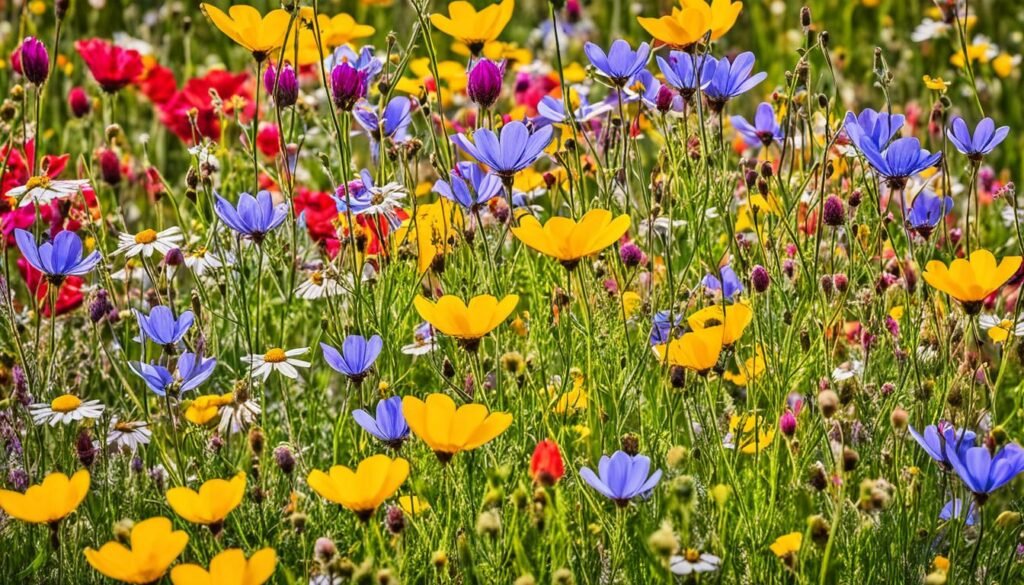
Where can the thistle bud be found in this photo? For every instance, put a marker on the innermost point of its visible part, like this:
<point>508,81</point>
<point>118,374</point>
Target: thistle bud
<point>759,278</point>
<point>110,167</point>
<point>834,214</point>
<point>348,86</point>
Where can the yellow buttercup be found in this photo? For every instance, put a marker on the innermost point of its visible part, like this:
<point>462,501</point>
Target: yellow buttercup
<point>569,241</point>
<point>448,430</point>
<point>374,480</point>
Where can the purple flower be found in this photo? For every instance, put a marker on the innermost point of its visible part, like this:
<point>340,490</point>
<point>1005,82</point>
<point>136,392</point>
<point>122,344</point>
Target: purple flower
<point>161,327</point>
<point>622,477</point>
<point>364,61</point>
<point>35,61</point>
<point>732,79</point>
<point>662,326</point>
<point>348,86</point>
<point>986,137</point>
<point>955,509</point>
<point>871,127</point>
<point>686,72</point>
<point>657,96</point>
<point>514,150</point>
<point>356,356</point>
<point>391,124</point>
<point>283,86</point>
<point>389,425</point>
<point>469,185</point>
<point>192,371</point>
<point>621,63</point>
<point>902,159</point>
<point>927,210</point>
<point>551,110</point>
<point>484,84</point>
<point>984,473</point>
<point>727,282</point>
<point>254,217</point>
<point>763,131</point>
<point>59,259</point>
<point>936,438</point>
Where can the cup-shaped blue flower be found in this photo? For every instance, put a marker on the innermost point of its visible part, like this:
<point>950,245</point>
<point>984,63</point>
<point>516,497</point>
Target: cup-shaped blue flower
<point>356,356</point>
<point>254,217</point>
<point>871,127</point>
<point>469,185</point>
<point>622,477</point>
<point>725,282</point>
<point>392,123</point>
<point>984,473</point>
<point>927,210</point>
<point>955,509</point>
<point>986,137</point>
<point>551,110</point>
<point>58,259</point>
<point>901,160</point>
<point>161,327</point>
<point>940,440</point>
<point>192,370</point>
<point>621,63</point>
<point>686,72</point>
<point>508,153</point>
<point>389,425</point>
<point>731,79</point>
<point>763,131</point>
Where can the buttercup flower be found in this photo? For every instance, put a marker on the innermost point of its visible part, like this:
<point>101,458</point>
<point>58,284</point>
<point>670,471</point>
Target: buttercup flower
<point>515,149</point>
<point>986,137</point>
<point>356,356</point>
<point>467,323</point>
<point>389,425</point>
<point>697,350</point>
<point>277,359</point>
<point>680,29</point>
<point>472,28</point>
<point>733,319</point>
<point>229,567</point>
<point>787,545</point>
<point>57,260</point>
<point>622,477</point>
<point>750,433</point>
<point>343,29</point>
<point>569,241</point>
<point>47,502</point>
<point>154,546</point>
<point>971,281</point>
<point>447,430</point>
<point>621,63</point>
<point>375,479</point>
<point>999,330</point>
<point>258,34</point>
<point>209,506</point>
<point>65,409</point>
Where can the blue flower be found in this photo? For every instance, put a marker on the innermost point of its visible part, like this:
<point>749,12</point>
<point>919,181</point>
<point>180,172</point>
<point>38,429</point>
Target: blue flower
<point>551,110</point>
<point>656,96</point>
<point>984,473</point>
<point>763,131</point>
<point>727,282</point>
<point>391,124</point>
<point>662,326</point>
<point>161,327</point>
<point>871,127</point>
<point>255,217</point>
<point>927,210</point>
<point>687,73</point>
<point>955,509</point>
<point>356,356</point>
<point>192,370</point>
<point>514,150</point>
<point>902,159</point>
<point>365,62</point>
<point>621,63</point>
<point>732,79</point>
<point>469,185</point>
<point>622,477</point>
<point>364,197</point>
<point>59,259</point>
<point>986,137</point>
<point>389,425</point>
<point>936,439</point>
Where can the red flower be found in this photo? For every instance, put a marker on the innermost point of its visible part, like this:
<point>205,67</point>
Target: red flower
<point>268,140</point>
<point>69,295</point>
<point>546,466</point>
<point>158,84</point>
<point>111,66</point>
<point>196,94</point>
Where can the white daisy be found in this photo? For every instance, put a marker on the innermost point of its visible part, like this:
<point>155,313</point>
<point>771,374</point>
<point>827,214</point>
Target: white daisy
<point>693,561</point>
<point>66,408</point>
<point>999,330</point>
<point>200,260</point>
<point>319,284</point>
<point>423,343</point>
<point>127,435</point>
<point>148,241</point>
<point>43,190</point>
<point>847,370</point>
<point>237,415</point>
<point>277,359</point>
<point>929,29</point>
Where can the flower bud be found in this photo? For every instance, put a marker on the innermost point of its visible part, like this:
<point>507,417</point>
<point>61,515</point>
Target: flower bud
<point>828,402</point>
<point>35,61</point>
<point>631,255</point>
<point>484,84</point>
<point>787,423</point>
<point>283,86</point>
<point>348,86</point>
<point>663,101</point>
<point>834,214</point>
<point>759,278</point>
<point>110,167</point>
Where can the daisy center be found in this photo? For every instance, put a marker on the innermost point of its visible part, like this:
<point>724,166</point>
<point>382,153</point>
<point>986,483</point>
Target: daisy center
<point>275,355</point>
<point>692,555</point>
<point>317,278</point>
<point>1005,324</point>
<point>145,237</point>
<point>42,181</point>
<point>65,403</point>
<point>124,427</point>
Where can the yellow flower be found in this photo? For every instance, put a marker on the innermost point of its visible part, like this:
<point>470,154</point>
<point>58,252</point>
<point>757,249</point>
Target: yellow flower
<point>750,433</point>
<point>447,430</point>
<point>697,350</point>
<point>971,281</point>
<point>787,544</point>
<point>501,51</point>
<point>47,502</point>
<point>751,369</point>
<point>229,567</point>
<point>375,479</point>
<point>631,301</point>
<point>467,323</point>
<point>154,546</point>
<point>344,29</point>
<point>936,83</point>
<point>733,318</point>
<point>720,15</point>
<point>204,408</point>
<point>941,564</point>
<point>680,29</point>
<point>573,400</point>
<point>473,28</point>
<point>1004,64</point>
<point>261,35</point>
<point>413,505</point>
<point>568,241</point>
<point>211,504</point>
<point>434,231</point>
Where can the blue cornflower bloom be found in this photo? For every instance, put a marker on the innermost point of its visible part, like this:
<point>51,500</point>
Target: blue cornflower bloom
<point>687,73</point>
<point>551,110</point>
<point>389,425</point>
<point>391,124</point>
<point>955,509</point>
<point>662,326</point>
<point>986,137</point>
<point>469,185</point>
<point>364,61</point>
<point>191,371</point>
<point>984,473</point>
<point>936,440</point>
<point>726,281</point>
<point>356,356</point>
<point>621,63</point>
<point>364,197</point>
<point>901,160</point>
<point>59,259</point>
<point>254,217</point>
<point>161,327</point>
<point>622,477</point>
<point>655,95</point>
<point>871,127</point>
<point>732,79</point>
<point>514,150</point>
<point>926,211</point>
<point>763,131</point>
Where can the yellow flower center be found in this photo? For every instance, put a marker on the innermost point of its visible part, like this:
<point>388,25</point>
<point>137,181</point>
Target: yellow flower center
<point>145,237</point>
<point>275,355</point>
<point>65,403</point>
<point>199,252</point>
<point>41,181</point>
<point>124,427</point>
<point>1006,324</point>
<point>692,555</point>
<point>317,278</point>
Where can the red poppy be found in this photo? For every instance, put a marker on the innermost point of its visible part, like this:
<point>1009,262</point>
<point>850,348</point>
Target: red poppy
<point>69,295</point>
<point>268,140</point>
<point>111,66</point>
<point>158,84</point>
<point>195,94</point>
<point>546,466</point>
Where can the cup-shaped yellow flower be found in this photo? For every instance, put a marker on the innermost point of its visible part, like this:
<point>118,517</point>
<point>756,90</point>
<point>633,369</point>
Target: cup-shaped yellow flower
<point>719,15</point>
<point>474,29</point>
<point>971,281</point>
<point>211,504</point>
<point>448,430</point>
<point>48,502</point>
<point>230,567</point>
<point>680,29</point>
<point>697,350</point>
<point>568,241</point>
<point>344,29</point>
<point>733,319</point>
<point>154,546</point>
<point>375,479</point>
<point>750,432</point>
<point>466,323</point>
<point>260,35</point>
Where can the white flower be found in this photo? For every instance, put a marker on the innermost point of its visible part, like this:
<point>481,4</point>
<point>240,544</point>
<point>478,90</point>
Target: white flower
<point>929,29</point>
<point>423,343</point>
<point>43,190</point>
<point>848,370</point>
<point>66,408</point>
<point>318,285</point>
<point>127,436</point>
<point>148,241</point>
<point>693,561</point>
<point>277,359</point>
<point>200,260</point>
<point>999,330</point>
<point>236,415</point>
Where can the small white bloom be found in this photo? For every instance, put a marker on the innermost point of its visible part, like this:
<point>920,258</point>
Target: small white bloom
<point>201,261</point>
<point>236,416</point>
<point>42,190</point>
<point>847,370</point>
<point>66,408</point>
<point>319,284</point>
<point>423,343</point>
<point>279,360</point>
<point>693,561</point>
<point>127,436</point>
<point>148,241</point>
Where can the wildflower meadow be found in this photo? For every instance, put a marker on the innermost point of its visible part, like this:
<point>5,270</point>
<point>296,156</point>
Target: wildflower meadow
<point>529,292</point>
